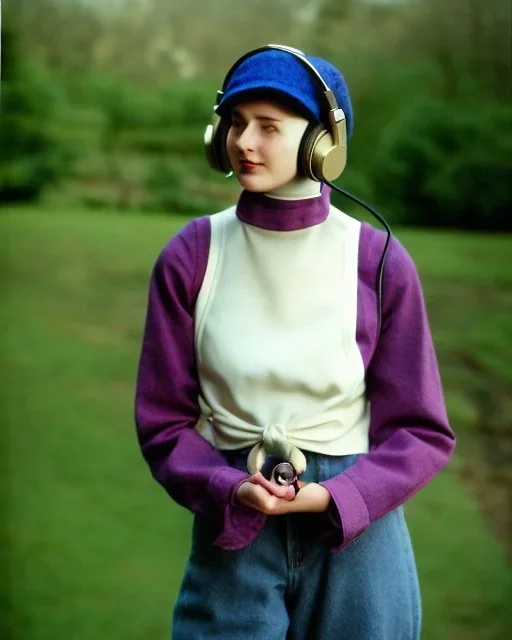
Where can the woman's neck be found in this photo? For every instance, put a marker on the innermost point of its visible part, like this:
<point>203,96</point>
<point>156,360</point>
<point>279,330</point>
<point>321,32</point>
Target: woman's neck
<point>283,214</point>
<point>297,189</point>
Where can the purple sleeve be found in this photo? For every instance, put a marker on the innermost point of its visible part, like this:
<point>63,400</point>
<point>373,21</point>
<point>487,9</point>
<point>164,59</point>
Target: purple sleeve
<point>193,472</point>
<point>410,438</point>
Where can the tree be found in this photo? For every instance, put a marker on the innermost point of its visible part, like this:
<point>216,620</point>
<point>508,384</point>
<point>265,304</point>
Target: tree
<point>468,40</point>
<point>31,154</point>
<point>448,164</point>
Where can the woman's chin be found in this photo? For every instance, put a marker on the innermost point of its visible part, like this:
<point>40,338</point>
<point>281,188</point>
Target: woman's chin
<point>254,183</point>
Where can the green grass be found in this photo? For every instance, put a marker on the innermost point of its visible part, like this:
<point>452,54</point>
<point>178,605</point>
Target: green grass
<point>92,547</point>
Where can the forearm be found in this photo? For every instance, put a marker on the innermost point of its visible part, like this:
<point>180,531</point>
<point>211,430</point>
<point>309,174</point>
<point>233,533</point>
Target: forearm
<point>193,472</point>
<point>410,436</point>
<point>386,477</point>
<point>198,478</point>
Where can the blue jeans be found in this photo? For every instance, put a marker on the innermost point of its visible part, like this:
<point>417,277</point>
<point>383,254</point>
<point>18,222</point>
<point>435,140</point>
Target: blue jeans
<point>288,586</point>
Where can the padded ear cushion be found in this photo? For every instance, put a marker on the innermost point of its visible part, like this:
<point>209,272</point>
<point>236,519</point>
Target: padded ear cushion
<point>301,171</point>
<point>209,136</point>
<point>307,146</point>
<point>219,141</point>
<point>215,145</point>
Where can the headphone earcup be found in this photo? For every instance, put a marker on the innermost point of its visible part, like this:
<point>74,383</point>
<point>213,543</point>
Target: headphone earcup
<point>307,146</point>
<point>327,159</point>
<point>319,158</point>
<point>215,145</point>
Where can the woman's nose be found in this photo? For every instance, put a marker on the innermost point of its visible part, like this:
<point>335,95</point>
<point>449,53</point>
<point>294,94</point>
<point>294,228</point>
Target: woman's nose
<point>246,140</point>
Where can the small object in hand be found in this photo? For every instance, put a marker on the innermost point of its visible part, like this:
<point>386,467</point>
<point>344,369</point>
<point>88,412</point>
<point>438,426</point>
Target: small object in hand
<point>281,472</point>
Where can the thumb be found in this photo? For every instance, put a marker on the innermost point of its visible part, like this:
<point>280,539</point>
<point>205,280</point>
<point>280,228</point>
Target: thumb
<point>287,492</point>
<point>280,491</point>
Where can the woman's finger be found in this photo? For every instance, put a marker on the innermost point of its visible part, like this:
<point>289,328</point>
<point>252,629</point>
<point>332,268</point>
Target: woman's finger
<point>286,492</point>
<point>257,497</point>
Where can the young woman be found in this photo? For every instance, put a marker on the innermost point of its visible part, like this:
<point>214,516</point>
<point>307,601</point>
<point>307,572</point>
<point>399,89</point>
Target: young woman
<point>266,335</point>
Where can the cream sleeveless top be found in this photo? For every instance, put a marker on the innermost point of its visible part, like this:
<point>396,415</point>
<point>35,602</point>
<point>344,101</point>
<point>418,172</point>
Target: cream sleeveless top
<point>275,338</point>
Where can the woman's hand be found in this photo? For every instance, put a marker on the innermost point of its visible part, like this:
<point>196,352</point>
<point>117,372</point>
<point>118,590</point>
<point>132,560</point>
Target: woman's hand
<point>272,500</point>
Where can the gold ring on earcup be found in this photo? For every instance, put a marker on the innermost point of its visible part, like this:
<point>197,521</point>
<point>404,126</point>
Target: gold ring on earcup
<point>328,160</point>
<point>321,159</point>
<point>306,151</point>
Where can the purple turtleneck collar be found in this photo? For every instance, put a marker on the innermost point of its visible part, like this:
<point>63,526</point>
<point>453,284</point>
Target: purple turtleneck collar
<point>269,213</point>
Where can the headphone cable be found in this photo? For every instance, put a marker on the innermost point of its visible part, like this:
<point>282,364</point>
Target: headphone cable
<point>380,270</point>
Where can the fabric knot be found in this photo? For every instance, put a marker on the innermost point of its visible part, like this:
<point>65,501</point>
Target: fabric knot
<point>274,442</point>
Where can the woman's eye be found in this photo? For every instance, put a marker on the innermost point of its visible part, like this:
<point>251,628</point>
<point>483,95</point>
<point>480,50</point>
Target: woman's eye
<point>270,128</point>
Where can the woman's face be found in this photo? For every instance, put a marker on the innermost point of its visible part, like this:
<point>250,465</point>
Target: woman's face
<point>263,144</point>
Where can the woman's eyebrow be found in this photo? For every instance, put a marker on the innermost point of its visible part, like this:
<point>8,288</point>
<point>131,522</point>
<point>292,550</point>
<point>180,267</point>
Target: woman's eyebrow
<point>270,118</point>
<point>236,114</point>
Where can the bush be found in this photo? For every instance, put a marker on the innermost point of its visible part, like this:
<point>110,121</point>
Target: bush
<point>169,189</point>
<point>187,104</point>
<point>124,106</point>
<point>32,153</point>
<point>447,164</point>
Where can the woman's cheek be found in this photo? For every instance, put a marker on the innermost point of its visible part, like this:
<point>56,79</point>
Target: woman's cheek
<point>231,146</point>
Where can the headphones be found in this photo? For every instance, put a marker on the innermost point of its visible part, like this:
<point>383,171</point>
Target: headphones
<point>323,151</point>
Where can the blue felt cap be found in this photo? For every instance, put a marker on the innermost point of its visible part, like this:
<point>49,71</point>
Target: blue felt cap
<point>274,73</point>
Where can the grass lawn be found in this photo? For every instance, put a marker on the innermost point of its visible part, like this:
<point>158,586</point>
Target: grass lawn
<point>92,547</point>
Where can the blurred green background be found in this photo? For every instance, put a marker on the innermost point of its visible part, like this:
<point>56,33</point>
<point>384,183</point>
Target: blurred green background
<point>104,106</point>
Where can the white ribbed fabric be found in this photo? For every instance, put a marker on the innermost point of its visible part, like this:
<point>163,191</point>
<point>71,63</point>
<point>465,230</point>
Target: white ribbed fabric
<point>297,189</point>
<point>275,337</point>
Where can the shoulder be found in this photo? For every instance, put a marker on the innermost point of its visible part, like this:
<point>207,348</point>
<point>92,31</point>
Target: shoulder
<point>183,247</point>
<point>185,256</point>
<point>194,238</point>
<point>223,220</point>
<point>182,261</point>
<point>344,221</point>
<point>399,267</point>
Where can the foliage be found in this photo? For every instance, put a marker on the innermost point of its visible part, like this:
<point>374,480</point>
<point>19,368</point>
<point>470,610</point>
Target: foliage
<point>32,153</point>
<point>447,164</point>
<point>128,88</point>
<point>167,190</point>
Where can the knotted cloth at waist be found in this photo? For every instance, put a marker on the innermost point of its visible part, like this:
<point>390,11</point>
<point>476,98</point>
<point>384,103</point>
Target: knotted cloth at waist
<point>329,436</point>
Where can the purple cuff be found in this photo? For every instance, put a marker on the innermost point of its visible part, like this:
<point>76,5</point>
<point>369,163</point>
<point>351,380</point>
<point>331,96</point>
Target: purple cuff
<point>410,437</point>
<point>349,507</point>
<point>223,485</point>
<point>241,524</point>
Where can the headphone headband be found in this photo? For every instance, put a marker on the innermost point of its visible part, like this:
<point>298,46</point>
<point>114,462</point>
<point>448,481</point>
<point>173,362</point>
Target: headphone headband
<point>323,152</point>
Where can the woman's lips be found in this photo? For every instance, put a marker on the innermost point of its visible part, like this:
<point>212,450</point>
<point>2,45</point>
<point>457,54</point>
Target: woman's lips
<point>249,166</point>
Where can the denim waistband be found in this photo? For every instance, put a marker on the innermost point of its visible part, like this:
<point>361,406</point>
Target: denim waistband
<point>320,467</point>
